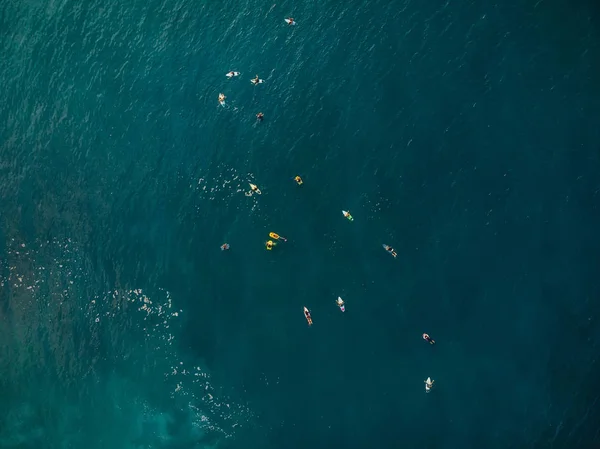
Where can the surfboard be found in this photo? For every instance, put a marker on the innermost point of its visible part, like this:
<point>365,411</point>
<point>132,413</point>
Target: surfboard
<point>349,217</point>
<point>290,22</point>
<point>255,189</point>
<point>259,81</point>
<point>427,383</point>
<point>232,74</point>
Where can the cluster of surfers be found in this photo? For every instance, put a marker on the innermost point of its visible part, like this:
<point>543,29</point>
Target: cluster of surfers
<point>270,244</point>
<point>255,81</point>
<point>273,237</point>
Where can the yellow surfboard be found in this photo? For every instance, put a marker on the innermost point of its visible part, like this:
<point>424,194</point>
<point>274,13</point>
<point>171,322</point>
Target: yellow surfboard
<point>275,236</point>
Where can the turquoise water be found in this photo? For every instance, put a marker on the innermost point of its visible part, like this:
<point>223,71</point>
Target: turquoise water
<point>465,135</point>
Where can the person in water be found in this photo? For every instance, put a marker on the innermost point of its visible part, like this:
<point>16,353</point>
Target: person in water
<point>224,246</point>
<point>428,339</point>
<point>391,250</point>
<point>254,188</point>
<point>428,384</point>
<point>256,80</point>
<point>270,244</point>
<point>298,180</point>
<point>260,116</point>
<point>291,21</point>
<point>307,316</point>
<point>222,98</point>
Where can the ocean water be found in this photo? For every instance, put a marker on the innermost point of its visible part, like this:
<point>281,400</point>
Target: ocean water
<point>464,134</point>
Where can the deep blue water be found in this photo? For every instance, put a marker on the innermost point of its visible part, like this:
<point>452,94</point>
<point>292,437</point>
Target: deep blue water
<point>464,134</point>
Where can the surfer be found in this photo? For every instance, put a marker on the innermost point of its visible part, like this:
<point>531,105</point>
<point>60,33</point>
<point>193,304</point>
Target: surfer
<point>270,245</point>
<point>275,236</point>
<point>256,80</point>
<point>298,180</point>
<point>232,74</point>
<point>307,316</point>
<point>260,116</point>
<point>428,384</point>
<point>428,339</point>
<point>340,304</point>
<point>347,215</point>
<point>390,250</point>
<point>222,99</point>
<point>224,246</point>
<point>290,21</point>
<point>253,189</point>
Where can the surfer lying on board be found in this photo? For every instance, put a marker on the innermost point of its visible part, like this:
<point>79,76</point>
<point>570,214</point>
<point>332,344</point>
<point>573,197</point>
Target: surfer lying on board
<point>307,316</point>
<point>290,21</point>
<point>253,189</point>
<point>390,250</point>
<point>428,339</point>
<point>298,180</point>
<point>260,116</point>
<point>255,80</point>
<point>428,384</point>
<point>276,236</point>
<point>224,246</point>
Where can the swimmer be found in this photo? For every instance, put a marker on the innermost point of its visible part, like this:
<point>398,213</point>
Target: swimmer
<point>298,180</point>
<point>270,244</point>
<point>260,116</point>
<point>428,339</point>
<point>347,215</point>
<point>222,99</point>
<point>340,304</point>
<point>390,250</point>
<point>224,246</point>
<point>428,384</point>
<point>307,316</point>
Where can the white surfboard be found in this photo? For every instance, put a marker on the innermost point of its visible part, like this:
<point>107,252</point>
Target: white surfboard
<point>255,189</point>
<point>290,22</point>
<point>259,81</point>
<point>428,385</point>
<point>232,74</point>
